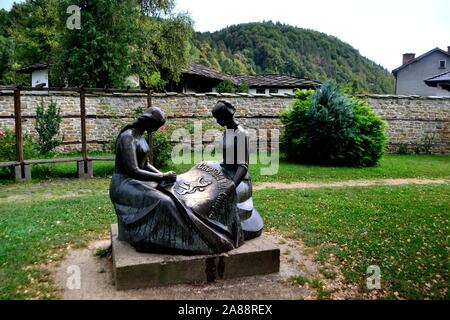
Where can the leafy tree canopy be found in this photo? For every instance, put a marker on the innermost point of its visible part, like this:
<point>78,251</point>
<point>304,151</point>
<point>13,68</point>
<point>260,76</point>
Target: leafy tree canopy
<point>117,39</point>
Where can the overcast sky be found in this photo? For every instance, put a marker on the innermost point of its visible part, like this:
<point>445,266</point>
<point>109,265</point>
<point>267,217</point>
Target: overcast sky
<point>381,30</point>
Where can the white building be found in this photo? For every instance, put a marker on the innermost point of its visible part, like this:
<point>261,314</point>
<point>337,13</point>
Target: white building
<point>276,83</point>
<point>201,79</point>
<point>39,74</point>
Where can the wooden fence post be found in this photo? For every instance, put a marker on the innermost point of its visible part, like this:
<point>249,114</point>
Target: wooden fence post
<point>84,168</point>
<point>22,172</point>
<point>18,125</point>
<point>83,123</point>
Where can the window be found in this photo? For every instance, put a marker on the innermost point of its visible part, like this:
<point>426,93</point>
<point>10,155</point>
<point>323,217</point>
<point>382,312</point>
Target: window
<point>261,91</point>
<point>273,91</point>
<point>442,64</point>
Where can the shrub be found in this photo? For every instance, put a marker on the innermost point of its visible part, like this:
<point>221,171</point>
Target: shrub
<point>403,148</point>
<point>8,146</point>
<point>226,86</point>
<point>47,126</point>
<point>243,87</point>
<point>329,128</point>
<point>370,139</point>
<point>161,148</point>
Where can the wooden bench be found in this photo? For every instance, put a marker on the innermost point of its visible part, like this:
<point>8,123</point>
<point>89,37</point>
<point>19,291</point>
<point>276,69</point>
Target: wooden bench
<point>22,171</point>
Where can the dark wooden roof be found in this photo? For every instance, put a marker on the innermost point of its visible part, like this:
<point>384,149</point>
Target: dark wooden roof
<point>34,67</point>
<point>277,81</point>
<point>267,80</point>
<point>201,70</point>
<point>395,71</point>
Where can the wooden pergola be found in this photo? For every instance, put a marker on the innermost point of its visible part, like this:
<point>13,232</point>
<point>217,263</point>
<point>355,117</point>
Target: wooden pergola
<point>22,166</point>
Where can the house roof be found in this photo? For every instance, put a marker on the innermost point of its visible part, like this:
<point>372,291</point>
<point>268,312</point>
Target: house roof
<point>201,70</point>
<point>439,79</point>
<point>34,67</point>
<point>395,71</point>
<point>266,80</point>
<point>277,80</point>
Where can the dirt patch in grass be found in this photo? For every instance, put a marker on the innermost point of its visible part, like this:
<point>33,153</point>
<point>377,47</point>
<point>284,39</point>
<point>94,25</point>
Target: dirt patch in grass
<point>349,183</point>
<point>97,279</point>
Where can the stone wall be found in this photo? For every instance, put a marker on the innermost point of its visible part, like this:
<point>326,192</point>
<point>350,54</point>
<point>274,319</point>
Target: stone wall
<point>410,119</point>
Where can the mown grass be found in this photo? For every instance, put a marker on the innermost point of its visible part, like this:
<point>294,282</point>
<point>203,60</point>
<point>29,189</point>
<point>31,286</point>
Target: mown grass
<point>38,223</point>
<point>403,230</point>
<point>390,166</point>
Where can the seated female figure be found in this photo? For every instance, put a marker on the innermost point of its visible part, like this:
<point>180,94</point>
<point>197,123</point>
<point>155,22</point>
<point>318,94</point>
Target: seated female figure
<point>151,217</point>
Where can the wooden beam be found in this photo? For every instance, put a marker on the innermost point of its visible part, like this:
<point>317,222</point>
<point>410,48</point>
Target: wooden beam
<point>76,89</point>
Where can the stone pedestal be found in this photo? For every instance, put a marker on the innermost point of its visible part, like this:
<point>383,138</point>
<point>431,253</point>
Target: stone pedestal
<point>134,270</point>
<point>22,173</point>
<point>85,169</point>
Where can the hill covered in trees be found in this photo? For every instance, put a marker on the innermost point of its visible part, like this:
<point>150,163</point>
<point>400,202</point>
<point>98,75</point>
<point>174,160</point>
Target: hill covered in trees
<point>278,48</point>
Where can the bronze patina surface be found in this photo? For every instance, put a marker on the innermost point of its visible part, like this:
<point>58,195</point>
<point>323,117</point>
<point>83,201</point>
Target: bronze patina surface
<point>207,210</point>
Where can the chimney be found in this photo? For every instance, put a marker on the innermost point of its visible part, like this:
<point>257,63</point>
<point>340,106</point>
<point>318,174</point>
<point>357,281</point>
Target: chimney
<point>407,57</point>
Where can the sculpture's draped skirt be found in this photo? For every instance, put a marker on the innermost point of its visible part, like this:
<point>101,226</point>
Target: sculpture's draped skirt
<point>198,214</point>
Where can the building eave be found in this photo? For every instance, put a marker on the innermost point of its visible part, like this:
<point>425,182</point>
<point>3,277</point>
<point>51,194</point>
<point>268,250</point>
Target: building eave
<point>395,71</point>
<point>34,67</point>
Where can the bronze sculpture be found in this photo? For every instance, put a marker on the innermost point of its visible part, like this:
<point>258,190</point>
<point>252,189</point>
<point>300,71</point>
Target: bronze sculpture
<point>207,210</point>
<point>235,164</point>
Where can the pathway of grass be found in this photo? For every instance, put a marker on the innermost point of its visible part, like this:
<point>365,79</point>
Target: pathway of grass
<point>403,230</point>
<point>347,183</point>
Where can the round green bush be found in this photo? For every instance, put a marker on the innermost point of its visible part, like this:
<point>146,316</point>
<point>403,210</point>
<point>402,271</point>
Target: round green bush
<point>162,149</point>
<point>327,127</point>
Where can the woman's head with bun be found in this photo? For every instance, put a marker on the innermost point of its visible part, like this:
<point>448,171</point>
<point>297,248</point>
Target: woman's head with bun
<point>224,112</point>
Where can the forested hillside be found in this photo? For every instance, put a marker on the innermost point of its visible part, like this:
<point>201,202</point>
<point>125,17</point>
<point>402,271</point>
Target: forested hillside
<point>278,48</point>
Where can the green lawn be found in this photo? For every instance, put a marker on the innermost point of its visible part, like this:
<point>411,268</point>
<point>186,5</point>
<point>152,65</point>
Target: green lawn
<point>37,223</point>
<point>403,230</point>
<point>390,166</point>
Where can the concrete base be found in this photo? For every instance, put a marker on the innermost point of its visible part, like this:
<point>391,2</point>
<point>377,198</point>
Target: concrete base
<point>134,270</point>
<point>22,173</point>
<point>85,169</point>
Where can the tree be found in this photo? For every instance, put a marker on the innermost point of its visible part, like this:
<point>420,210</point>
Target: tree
<point>5,23</point>
<point>157,8</point>
<point>163,47</point>
<point>121,38</point>
<point>102,52</point>
<point>27,35</point>
<point>33,26</point>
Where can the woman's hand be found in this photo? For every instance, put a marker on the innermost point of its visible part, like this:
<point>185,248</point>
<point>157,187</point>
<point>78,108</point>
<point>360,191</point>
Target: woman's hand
<point>169,177</point>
